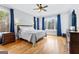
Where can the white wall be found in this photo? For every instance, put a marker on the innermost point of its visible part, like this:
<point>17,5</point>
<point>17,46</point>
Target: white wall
<point>23,18</point>
<point>65,22</point>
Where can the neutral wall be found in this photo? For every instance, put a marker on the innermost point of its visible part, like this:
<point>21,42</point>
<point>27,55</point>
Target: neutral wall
<point>23,18</point>
<point>65,22</point>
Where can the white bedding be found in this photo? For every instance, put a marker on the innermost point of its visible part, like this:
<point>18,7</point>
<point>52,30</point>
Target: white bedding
<point>32,35</point>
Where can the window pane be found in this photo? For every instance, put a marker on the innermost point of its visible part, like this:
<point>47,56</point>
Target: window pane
<point>4,20</point>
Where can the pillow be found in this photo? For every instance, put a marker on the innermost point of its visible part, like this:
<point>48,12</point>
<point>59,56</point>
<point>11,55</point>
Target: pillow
<point>26,28</point>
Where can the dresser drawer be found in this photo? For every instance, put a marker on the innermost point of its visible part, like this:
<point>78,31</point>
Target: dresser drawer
<point>74,37</point>
<point>74,49</point>
<point>74,42</point>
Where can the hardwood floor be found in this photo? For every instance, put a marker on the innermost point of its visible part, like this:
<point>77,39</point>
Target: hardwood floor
<point>47,45</point>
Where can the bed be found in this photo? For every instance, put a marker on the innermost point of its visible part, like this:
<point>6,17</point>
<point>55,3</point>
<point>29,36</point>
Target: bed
<point>27,32</point>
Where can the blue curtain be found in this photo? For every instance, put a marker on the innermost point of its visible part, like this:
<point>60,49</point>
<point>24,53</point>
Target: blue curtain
<point>43,25</point>
<point>34,22</point>
<point>59,25</point>
<point>74,21</point>
<point>12,29</point>
<point>37,23</point>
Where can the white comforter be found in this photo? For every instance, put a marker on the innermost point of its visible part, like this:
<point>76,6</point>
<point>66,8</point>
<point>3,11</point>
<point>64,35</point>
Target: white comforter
<point>32,35</point>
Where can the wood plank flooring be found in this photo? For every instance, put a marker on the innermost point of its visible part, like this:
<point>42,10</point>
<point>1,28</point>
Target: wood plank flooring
<point>47,45</point>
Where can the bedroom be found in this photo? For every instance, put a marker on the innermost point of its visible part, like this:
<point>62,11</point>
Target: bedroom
<point>49,24</point>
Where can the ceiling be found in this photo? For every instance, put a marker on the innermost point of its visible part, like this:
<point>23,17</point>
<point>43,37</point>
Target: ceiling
<point>51,9</point>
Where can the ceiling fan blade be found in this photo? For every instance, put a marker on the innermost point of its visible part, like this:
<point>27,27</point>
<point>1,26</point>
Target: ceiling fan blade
<point>38,5</point>
<point>36,9</point>
<point>44,9</point>
<point>45,6</point>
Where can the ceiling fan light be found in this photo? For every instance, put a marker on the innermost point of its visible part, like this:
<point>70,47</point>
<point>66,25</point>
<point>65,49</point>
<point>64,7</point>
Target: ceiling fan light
<point>40,7</point>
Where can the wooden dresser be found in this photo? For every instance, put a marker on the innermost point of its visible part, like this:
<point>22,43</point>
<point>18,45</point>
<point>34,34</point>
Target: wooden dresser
<point>8,38</point>
<point>74,42</point>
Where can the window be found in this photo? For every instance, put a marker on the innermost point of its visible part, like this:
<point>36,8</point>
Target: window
<point>4,20</point>
<point>50,24</point>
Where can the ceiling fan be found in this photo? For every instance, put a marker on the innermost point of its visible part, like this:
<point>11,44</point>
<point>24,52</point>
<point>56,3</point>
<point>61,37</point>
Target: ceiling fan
<point>41,7</point>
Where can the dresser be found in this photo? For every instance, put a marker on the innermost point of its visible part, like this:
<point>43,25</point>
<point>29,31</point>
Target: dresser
<point>74,42</point>
<point>8,38</point>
